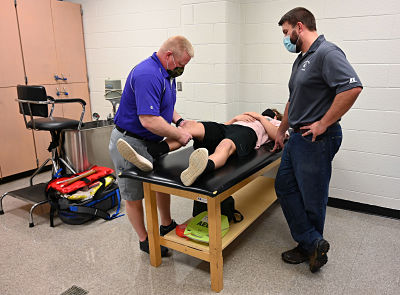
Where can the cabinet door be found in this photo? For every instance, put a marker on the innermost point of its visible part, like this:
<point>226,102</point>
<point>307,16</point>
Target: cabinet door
<point>74,110</point>
<point>11,69</point>
<point>70,46</point>
<point>37,40</point>
<point>17,149</point>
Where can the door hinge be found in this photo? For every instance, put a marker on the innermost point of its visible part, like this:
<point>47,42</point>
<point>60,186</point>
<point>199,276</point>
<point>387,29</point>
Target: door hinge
<point>26,80</point>
<point>15,3</point>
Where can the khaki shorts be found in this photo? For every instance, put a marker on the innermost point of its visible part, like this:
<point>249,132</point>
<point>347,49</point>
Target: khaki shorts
<point>130,189</point>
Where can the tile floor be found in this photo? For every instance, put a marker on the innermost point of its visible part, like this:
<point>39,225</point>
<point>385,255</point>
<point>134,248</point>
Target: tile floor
<point>104,257</point>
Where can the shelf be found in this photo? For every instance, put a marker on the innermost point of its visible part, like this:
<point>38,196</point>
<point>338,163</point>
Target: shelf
<point>251,200</point>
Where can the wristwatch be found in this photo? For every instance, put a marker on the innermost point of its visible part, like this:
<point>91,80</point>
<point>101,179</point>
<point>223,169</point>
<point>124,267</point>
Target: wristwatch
<point>179,122</point>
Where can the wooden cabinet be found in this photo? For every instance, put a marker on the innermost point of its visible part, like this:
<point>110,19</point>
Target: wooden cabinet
<point>74,110</point>
<point>17,148</point>
<point>37,41</point>
<point>42,44</point>
<point>52,41</point>
<point>68,35</point>
<point>11,69</point>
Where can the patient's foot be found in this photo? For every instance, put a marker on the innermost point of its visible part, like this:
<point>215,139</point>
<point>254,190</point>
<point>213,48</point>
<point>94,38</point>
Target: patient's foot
<point>129,154</point>
<point>197,164</point>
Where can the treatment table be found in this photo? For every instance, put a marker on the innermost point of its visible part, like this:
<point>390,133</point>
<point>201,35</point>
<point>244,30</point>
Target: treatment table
<point>240,178</point>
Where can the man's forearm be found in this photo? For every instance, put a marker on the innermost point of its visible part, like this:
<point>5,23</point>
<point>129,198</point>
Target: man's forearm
<point>341,104</point>
<point>176,117</point>
<point>285,120</point>
<point>159,126</point>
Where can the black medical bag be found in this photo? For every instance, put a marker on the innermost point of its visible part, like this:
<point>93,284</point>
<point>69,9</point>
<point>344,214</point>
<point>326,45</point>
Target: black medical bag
<point>227,208</point>
<point>78,210</point>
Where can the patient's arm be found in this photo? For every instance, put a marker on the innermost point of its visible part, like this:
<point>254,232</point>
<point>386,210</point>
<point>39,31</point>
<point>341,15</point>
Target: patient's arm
<point>270,128</point>
<point>243,117</point>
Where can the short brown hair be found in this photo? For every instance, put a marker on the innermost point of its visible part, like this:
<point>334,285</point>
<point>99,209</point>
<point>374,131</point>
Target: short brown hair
<point>299,14</point>
<point>279,116</point>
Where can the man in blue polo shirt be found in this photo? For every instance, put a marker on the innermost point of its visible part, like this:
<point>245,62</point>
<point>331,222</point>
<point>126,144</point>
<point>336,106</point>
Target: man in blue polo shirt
<point>323,86</point>
<point>143,118</point>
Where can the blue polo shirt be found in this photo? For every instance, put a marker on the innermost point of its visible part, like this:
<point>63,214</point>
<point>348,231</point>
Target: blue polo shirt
<point>148,91</point>
<point>317,77</point>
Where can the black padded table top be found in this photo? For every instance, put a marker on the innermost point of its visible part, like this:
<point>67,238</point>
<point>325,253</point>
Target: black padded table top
<point>167,171</point>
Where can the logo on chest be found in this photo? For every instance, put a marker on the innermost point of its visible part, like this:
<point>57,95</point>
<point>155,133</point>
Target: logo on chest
<point>305,65</point>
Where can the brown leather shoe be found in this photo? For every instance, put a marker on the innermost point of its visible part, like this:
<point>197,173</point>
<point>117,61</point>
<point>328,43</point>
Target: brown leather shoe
<point>319,257</point>
<point>295,256</point>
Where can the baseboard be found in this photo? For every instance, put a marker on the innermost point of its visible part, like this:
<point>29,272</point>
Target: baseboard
<point>24,174</point>
<point>364,208</point>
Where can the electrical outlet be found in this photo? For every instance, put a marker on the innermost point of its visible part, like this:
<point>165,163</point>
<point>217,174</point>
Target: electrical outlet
<point>179,86</point>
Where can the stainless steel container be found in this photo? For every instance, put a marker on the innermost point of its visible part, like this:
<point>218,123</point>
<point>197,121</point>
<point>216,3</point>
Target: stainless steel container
<point>88,146</point>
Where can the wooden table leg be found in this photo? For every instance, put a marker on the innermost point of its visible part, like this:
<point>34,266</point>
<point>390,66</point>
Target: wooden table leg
<point>215,244</point>
<point>152,224</point>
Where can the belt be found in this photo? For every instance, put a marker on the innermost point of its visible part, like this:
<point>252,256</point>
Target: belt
<point>296,129</point>
<point>125,132</point>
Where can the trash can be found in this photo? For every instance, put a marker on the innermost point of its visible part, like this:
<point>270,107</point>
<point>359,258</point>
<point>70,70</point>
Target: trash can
<point>88,146</point>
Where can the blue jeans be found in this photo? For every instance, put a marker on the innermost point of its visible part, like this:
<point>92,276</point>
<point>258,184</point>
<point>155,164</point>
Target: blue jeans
<point>302,183</point>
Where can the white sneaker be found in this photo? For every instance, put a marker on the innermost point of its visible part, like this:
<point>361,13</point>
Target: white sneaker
<point>129,154</point>
<point>197,164</point>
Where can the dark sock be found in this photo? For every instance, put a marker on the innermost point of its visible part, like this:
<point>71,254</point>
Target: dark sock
<point>210,166</point>
<point>158,149</point>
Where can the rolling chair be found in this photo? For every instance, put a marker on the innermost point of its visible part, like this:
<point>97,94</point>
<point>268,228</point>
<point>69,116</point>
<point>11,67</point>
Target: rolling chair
<point>34,104</point>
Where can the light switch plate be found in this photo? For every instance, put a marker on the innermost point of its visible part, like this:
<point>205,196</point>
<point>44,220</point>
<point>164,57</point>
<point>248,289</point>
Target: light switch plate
<point>179,86</point>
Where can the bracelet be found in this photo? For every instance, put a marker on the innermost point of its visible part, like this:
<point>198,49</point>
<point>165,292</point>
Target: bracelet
<point>179,122</point>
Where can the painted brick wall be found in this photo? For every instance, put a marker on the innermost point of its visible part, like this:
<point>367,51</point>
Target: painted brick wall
<point>119,34</point>
<point>241,65</point>
<point>366,169</point>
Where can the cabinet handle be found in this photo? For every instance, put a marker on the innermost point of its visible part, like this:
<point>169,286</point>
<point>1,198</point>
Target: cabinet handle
<point>56,77</point>
<point>61,92</point>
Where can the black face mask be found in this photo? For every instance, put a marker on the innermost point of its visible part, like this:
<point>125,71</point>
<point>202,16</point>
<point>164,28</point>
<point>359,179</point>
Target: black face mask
<point>176,72</point>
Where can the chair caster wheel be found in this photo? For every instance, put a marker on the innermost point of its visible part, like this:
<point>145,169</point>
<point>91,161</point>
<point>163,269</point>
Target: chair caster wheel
<point>31,224</point>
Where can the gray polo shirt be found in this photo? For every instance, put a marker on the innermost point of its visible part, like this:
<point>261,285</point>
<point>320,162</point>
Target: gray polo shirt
<point>317,77</point>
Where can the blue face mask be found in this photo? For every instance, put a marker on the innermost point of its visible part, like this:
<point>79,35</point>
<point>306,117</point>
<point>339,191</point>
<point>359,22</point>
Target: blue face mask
<point>289,45</point>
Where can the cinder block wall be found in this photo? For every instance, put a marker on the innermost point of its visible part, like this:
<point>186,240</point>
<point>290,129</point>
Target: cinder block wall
<point>367,167</point>
<point>241,65</point>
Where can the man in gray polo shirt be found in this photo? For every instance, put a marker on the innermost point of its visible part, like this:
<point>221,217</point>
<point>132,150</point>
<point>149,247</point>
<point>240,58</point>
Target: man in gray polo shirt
<point>323,86</point>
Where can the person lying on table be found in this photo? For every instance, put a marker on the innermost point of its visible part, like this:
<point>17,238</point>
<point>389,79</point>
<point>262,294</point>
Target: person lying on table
<point>214,143</point>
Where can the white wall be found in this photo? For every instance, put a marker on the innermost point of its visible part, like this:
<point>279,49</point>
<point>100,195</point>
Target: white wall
<point>367,168</point>
<point>240,64</point>
<point>119,34</point>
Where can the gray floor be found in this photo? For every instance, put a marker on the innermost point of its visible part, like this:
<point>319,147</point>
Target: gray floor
<point>104,258</point>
